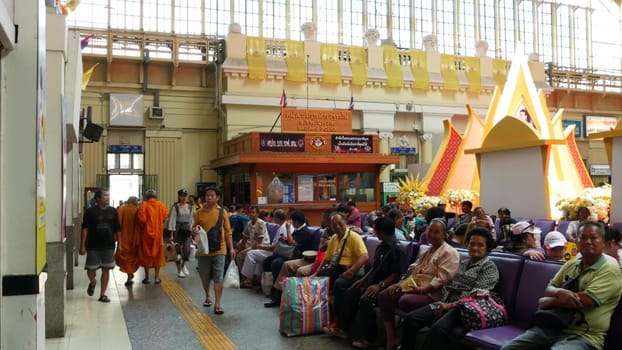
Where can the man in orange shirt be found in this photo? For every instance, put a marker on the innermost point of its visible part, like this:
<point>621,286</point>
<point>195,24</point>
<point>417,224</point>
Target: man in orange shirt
<point>127,248</point>
<point>151,216</point>
<point>212,265</point>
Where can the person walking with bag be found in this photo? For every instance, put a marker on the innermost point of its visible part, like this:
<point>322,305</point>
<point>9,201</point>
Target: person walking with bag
<point>151,215</point>
<point>180,222</point>
<point>215,220</point>
<point>100,230</point>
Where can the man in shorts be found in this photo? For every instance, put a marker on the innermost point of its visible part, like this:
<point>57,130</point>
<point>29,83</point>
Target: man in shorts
<point>100,230</point>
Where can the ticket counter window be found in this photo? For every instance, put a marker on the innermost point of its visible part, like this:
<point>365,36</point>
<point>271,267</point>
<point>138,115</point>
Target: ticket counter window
<point>358,187</point>
<point>275,188</point>
<point>322,187</point>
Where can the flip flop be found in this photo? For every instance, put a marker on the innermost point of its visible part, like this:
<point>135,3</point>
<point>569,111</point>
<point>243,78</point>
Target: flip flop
<point>103,299</point>
<point>207,303</point>
<point>219,311</point>
<point>146,281</point>
<point>91,289</point>
<point>157,281</point>
<point>129,283</point>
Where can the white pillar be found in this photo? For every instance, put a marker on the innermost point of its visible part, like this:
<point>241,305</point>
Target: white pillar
<point>426,148</point>
<point>22,220</point>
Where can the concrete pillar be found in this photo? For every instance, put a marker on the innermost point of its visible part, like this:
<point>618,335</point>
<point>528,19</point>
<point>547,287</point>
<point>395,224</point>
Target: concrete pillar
<point>23,176</point>
<point>55,57</point>
<point>426,148</point>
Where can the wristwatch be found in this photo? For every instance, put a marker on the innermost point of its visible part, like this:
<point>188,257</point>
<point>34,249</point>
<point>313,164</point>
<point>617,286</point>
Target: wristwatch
<point>381,284</point>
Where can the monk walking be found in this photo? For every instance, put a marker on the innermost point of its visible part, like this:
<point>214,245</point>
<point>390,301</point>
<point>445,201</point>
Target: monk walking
<point>127,247</point>
<point>151,216</point>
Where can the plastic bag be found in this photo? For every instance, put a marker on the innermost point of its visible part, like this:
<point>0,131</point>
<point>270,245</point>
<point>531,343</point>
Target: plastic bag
<point>201,240</point>
<point>232,277</point>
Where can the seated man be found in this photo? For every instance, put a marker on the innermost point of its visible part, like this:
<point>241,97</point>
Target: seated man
<point>598,292</point>
<point>253,263</point>
<point>555,246</point>
<point>255,233</point>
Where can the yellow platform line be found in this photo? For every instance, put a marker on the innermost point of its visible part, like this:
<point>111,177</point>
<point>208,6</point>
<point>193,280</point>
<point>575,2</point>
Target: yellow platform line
<point>207,332</point>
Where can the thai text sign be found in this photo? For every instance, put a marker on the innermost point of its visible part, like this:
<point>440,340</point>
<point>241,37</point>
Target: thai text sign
<point>281,142</point>
<point>352,144</point>
<point>316,120</point>
<point>595,123</point>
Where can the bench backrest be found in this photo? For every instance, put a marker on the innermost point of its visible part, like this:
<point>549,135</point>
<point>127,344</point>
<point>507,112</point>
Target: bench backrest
<point>371,243</point>
<point>510,267</point>
<point>316,232</point>
<point>534,279</point>
<point>613,339</point>
<point>562,226</point>
<point>546,226</point>
<point>272,229</point>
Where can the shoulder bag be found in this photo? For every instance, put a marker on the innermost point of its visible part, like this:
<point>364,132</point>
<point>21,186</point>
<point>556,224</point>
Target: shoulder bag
<point>559,317</point>
<point>284,250</point>
<point>481,312</point>
<point>214,234</point>
<point>333,269</point>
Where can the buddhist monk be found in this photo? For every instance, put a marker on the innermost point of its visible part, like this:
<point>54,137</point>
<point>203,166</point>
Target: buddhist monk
<point>127,247</point>
<point>151,215</point>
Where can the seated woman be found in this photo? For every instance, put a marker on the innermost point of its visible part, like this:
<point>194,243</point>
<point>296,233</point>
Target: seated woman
<point>424,282</point>
<point>398,220</point>
<point>572,232</point>
<point>480,214</point>
<point>476,275</point>
<point>363,295</point>
<point>524,241</point>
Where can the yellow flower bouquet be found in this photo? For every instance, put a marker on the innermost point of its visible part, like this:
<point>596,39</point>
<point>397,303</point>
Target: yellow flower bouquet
<point>596,199</point>
<point>411,189</point>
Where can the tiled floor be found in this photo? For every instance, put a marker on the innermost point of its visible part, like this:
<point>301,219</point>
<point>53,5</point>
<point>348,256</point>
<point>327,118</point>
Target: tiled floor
<point>143,317</point>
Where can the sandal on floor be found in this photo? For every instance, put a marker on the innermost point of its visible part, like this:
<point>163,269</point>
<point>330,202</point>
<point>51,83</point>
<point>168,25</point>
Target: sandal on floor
<point>104,299</point>
<point>207,303</point>
<point>157,281</point>
<point>129,283</point>
<point>91,289</point>
<point>146,281</point>
<point>219,311</point>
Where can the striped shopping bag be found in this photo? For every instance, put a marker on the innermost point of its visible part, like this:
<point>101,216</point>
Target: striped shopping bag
<point>304,306</point>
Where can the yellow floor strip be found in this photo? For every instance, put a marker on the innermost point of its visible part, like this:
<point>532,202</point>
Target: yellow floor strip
<point>207,332</point>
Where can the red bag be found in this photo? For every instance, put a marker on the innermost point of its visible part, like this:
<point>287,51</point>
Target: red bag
<point>319,258</point>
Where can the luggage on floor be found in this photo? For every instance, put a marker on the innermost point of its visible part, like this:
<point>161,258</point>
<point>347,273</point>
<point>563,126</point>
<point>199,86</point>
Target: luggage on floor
<point>304,306</point>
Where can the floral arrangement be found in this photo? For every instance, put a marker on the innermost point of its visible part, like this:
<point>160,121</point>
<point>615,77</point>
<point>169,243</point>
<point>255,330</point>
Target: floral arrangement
<point>411,189</point>
<point>455,197</point>
<point>596,199</point>
<point>422,204</point>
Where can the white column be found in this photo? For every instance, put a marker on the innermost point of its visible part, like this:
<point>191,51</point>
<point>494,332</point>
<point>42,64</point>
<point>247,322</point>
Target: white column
<point>23,248</point>
<point>426,148</point>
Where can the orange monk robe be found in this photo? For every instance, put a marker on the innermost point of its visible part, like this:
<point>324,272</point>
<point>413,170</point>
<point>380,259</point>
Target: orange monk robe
<point>151,216</point>
<point>127,256</point>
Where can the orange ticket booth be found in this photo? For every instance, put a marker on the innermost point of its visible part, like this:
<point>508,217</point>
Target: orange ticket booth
<point>311,170</point>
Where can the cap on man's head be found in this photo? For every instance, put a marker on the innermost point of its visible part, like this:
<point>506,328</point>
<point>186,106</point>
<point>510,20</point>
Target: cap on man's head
<point>555,239</point>
<point>524,227</point>
<point>182,192</point>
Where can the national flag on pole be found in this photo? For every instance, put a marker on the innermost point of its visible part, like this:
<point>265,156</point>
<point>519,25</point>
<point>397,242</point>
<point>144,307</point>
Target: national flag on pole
<point>283,102</point>
<point>351,106</point>
<point>85,42</point>
<point>86,77</point>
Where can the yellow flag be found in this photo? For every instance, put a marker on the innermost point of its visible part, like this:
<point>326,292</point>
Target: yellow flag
<point>86,76</point>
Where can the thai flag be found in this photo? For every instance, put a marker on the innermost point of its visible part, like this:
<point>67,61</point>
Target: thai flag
<point>283,102</point>
<point>351,106</point>
<point>85,42</point>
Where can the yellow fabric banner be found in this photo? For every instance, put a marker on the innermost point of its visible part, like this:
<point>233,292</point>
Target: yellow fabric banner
<point>86,76</point>
<point>499,71</point>
<point>295,59</point>
<point>392,67</point>
<point>256,58</point>
<point>419,66</point>
<point>448,72</point>
<point>358,64</point>
<point>473,74</point>
<point>330,63</point>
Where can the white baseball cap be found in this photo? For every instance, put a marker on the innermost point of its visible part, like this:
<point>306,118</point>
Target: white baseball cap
<point>525,227</point>
<point>555,239</point>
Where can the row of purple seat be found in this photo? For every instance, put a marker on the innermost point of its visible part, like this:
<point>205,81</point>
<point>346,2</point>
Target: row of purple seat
<point>522,282</point>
